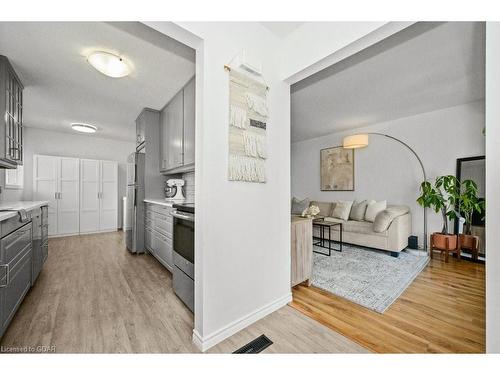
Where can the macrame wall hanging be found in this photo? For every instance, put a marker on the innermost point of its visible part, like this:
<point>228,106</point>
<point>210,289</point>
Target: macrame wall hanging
<point>248,115</point>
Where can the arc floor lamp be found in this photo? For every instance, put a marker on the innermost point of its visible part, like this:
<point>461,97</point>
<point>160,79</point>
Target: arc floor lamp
<point>362,140</point>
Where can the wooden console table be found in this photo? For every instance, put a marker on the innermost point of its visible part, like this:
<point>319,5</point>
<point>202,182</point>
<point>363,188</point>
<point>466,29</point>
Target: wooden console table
<point>302,249</point>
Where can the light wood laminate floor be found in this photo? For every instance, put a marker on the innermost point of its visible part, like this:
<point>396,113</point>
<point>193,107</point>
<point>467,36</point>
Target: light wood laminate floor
<point>94,297</point>
<point>442,311</point>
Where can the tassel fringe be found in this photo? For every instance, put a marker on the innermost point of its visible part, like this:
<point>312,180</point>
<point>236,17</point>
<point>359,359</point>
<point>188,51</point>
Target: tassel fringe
<point>242,168</point>
<point>238,117</point>
<point>255,145</point>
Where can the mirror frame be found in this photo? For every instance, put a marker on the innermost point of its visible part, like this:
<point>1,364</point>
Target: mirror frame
<point>457,175</point>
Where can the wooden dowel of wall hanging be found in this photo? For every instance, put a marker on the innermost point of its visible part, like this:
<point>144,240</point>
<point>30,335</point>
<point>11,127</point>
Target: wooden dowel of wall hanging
<point>228,68</point>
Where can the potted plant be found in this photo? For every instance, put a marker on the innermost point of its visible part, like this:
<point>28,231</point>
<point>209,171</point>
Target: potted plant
<point>442,197</point>
<point>468,202</point>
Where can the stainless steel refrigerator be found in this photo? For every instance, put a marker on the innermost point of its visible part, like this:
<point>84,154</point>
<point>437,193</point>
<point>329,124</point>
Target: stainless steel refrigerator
<point>135,198</point>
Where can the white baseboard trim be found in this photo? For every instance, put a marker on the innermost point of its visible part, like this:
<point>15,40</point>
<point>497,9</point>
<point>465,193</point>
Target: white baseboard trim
<point>205,343</point>
<point>100,231</point>
<point>82,233</point>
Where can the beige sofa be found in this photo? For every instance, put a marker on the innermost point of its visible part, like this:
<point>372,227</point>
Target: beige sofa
<point>362,233</point>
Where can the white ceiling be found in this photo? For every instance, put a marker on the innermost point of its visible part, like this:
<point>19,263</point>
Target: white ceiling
<point>282,29</point>
<point>61,87</point>
<point>425,67</point>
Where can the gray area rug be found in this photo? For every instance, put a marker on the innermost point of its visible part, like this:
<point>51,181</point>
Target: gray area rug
<point>370,278</point>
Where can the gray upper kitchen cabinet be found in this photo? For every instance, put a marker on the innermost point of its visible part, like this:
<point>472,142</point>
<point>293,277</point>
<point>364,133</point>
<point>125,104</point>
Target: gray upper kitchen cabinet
<point>189,123</point>
<point>177,132</point>
<point>11,109</point>
<point>174,132</point>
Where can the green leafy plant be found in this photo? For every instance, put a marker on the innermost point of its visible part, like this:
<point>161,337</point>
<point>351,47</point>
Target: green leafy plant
<point>469,202</point>
<point>446,194</point>
<point>442,197</point>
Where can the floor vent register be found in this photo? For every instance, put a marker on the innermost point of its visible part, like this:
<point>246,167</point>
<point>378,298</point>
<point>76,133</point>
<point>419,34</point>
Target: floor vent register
<point>255,346</point>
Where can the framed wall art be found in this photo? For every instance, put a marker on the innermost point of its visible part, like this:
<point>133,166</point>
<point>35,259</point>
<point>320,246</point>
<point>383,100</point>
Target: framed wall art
<point>337,169</point>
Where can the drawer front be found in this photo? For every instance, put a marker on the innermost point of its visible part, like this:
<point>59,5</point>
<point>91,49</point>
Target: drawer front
<point>12,244</point>
<point>163,224</point>
<point>13,294</point>
<point>161,209</point>
<point>164,249</point>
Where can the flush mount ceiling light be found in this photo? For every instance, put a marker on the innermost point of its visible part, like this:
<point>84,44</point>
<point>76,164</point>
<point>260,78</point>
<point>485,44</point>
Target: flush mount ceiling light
<point>84,128</point>
<point>109,64</point>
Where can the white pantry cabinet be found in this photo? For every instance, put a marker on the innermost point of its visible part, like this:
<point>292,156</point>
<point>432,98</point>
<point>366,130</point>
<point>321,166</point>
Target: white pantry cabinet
<point>82,193</point>
<point>98,195</point>
<point>56,179</point>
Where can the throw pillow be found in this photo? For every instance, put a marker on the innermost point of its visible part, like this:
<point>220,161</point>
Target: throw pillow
<point>384,218</point>
<point>299,206</point>
<point>324,207</point>
<point>334,204</point>
<point>373,209</point>
<point>358,210</point>
<point>342,210</point>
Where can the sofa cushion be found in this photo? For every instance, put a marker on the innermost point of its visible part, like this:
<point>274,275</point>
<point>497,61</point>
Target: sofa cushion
<point>384,218</point>
<point>298,206</point>
<point>324,207</point>
<point>361,227</point>
<point>373,209</point>
<point>354,226</point>
<point>358,210</point>
<point>342,210</point>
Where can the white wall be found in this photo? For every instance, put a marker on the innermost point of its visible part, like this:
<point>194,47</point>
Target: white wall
<point>387,170</point>
<point>46,142</point>
<point>242,229</point>
<point>492,186</point>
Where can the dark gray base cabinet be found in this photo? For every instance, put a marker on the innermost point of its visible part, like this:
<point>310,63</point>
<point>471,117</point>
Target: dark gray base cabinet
<point>23,251</point>
<point>16,258</point>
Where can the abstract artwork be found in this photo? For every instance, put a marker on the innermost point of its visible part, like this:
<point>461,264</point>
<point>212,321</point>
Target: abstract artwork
<point>248,114</point>
<point>337,169</point>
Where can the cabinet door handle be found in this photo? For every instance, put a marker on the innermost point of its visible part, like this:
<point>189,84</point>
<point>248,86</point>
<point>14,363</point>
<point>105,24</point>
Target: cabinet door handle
<point>55,195</point>
<point>7,275</point>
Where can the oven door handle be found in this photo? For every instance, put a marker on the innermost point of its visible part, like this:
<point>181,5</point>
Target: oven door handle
<point>184,216</point>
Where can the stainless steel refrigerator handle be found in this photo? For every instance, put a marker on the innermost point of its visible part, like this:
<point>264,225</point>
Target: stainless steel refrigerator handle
<point>189,217</point>
<point>7,275</point>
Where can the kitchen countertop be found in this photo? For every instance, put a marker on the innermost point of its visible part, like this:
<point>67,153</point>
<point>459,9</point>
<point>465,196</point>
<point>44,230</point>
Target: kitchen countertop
<point>18,205</point>
<point>159,201</point>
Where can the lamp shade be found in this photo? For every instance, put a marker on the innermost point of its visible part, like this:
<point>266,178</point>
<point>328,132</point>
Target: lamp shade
<point>355,141</point>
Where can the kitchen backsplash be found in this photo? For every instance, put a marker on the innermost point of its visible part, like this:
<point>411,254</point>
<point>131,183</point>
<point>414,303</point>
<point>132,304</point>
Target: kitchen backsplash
<point>188,177</point>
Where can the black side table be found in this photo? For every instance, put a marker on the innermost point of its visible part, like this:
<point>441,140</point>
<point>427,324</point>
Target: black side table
<point>322,225</point>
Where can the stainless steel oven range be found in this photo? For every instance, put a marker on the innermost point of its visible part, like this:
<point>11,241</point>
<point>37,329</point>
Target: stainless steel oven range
<point>183,272</point>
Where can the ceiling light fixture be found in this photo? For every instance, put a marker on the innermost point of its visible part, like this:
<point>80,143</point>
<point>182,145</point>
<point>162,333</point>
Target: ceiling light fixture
<point>109,64</point>
<point>84,128</point>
